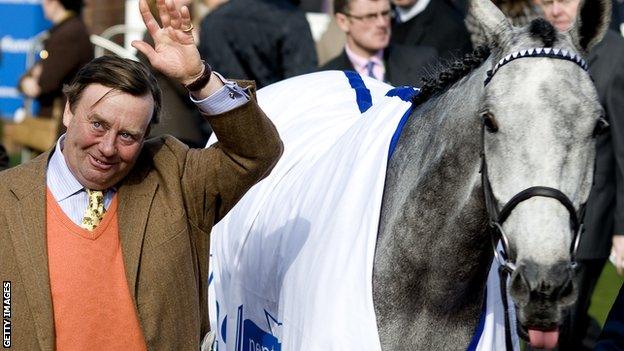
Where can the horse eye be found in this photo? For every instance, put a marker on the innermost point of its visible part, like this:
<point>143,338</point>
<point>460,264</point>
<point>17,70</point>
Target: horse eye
<point>490,123</point>
<point>602,126</point>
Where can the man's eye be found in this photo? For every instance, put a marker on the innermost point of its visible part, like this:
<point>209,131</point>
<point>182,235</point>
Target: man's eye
<point>96,125</point>
<point>127,136</point>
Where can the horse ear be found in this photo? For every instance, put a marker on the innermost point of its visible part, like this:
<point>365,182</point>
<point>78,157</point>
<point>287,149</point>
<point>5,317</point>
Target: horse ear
<point>495,25</point>
<point>592,22</point>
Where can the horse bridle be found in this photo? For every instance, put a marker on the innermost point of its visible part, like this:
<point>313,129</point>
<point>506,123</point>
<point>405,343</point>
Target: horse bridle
<point>497,217</point>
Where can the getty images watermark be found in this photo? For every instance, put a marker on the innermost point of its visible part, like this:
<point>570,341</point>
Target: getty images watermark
<point>6,314</point>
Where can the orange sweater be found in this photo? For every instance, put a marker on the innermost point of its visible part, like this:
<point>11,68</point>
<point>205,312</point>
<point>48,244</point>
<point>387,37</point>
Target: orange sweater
<point>93,308</point>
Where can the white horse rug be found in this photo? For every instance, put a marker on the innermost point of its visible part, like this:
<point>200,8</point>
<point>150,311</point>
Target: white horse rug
<point>291,264</point>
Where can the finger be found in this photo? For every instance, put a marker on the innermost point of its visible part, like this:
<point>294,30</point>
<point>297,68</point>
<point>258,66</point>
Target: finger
<point>163,13</point>
<point>148,19</point>
<point>185,18</point>
<point>145,48</point>
<point>174,14</point>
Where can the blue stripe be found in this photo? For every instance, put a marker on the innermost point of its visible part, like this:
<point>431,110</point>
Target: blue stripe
<point>477,336</point>
<point>406,94</point>
<point>362,94</point>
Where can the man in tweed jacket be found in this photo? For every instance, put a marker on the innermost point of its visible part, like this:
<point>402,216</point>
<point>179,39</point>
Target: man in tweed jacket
<point>165,198</point>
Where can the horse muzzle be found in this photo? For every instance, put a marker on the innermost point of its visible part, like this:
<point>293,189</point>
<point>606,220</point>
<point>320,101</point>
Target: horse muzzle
<point>542,293</point>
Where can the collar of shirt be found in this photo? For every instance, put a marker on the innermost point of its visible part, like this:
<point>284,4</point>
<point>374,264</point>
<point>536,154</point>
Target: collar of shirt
<point>360,62</point>
<point>406,14</point>
<point>59,178</point>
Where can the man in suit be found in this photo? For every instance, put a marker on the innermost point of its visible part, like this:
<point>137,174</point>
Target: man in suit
<point>366,24</point>
<point>104,240</point>
<point>604,215</point>
<point>435,23</point>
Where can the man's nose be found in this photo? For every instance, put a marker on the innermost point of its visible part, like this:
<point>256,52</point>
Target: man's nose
<point>107,144</point>
<point>556,8</point>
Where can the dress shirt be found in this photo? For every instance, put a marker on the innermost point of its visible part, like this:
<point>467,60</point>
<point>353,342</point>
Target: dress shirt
<point>406,14</point>
<point>361,63</point>
<point>71,195</point>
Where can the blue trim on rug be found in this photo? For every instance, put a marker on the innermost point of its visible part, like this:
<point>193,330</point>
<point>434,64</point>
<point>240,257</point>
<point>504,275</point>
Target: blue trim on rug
<point>362,94</point>
<point>406,94</point>
<point>480,327</point>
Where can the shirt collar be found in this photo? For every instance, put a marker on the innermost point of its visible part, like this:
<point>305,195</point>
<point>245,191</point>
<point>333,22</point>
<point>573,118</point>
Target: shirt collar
<point>360,62</point>
<point>60,179</point>
<point>406,14</point>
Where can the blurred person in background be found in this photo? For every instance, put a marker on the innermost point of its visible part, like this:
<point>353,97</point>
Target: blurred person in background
<point>604,215</point>
<point>4,158</point>
<point>366,24</point>
<point>65,50</point>
<point>519,13</point>
<point>179,116</point>
<point>262,40</point>
<point>435,23</point>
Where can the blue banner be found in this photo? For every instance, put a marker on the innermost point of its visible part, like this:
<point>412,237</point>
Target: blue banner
<point>21,21</point>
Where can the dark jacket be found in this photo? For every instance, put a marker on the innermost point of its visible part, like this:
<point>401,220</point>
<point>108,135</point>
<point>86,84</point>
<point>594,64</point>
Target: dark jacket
<point>261,40</point>
<point>405,65</point>
<point>4,158</point>
<point>605,207</point>
<point>68,48</point>
<point>440,26</point>
<point>612,336</point>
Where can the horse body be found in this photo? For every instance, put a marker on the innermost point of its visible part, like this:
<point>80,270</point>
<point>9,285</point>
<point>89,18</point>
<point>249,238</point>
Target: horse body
<point>434,249</point>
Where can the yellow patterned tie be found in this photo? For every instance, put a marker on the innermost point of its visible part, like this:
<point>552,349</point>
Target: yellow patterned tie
<point>95,210</point>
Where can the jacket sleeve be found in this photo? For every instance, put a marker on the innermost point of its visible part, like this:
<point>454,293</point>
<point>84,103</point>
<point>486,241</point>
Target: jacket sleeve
<point>214,179</point>
<point>4,158</point>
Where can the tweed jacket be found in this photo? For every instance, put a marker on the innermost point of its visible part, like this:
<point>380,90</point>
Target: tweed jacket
<point>167,207</point>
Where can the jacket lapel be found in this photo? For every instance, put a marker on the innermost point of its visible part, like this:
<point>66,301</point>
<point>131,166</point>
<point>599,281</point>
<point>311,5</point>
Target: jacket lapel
<point>28,233</point>
<point>136,195</point>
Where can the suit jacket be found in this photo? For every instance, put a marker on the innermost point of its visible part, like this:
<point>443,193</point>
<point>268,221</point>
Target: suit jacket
<point>404,65</point>
<point>612,336</point>
<point>604,215</point>
<point>167,206</point>
<point>440,26</point>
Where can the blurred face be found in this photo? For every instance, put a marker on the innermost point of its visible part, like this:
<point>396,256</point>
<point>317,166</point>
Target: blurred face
<point>105,135</point>
<point>560,13</point>
<point>406,3</point>
<point>367,26</point>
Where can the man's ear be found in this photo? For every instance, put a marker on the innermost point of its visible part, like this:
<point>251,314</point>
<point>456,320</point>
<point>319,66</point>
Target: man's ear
<point>67,115</point>
<point>343,22</point>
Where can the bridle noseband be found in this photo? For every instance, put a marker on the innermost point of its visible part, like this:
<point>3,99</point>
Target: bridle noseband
<point>497,217</point>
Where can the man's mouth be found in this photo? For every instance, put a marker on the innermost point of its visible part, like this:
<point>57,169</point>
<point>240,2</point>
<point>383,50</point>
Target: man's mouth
<point>100,164</point>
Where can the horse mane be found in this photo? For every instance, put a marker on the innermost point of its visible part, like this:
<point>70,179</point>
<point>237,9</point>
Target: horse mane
<point>450,73</point>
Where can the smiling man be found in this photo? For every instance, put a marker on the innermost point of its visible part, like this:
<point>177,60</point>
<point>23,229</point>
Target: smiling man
<point>104,239</point>
<point>366,24</point>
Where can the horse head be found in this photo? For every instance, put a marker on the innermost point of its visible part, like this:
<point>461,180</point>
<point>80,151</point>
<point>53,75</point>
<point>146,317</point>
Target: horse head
<point>539,123</point>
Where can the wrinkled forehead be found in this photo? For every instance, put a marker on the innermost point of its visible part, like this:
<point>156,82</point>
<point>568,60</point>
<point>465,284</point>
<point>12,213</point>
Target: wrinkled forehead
<point>367,6</point>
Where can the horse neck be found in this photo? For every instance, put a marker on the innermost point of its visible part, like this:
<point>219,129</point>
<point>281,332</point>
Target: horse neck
<point>433,206</point>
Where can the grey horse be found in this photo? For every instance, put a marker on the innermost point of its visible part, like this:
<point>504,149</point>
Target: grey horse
<point>538,116</point>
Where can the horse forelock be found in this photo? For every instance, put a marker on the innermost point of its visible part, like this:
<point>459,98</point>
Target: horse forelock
<point>544,31</point>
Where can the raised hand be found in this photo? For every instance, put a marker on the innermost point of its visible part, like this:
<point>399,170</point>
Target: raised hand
<point>174,52</point>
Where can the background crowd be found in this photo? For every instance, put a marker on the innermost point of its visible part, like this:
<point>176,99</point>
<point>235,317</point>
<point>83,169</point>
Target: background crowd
<point>396,41</point>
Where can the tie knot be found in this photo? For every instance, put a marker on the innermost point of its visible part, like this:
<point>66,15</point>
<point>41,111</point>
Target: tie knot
<point>369,69</point>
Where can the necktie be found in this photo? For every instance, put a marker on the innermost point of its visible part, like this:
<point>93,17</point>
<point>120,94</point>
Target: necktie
<point>95,210</point>
<point>369,69</point>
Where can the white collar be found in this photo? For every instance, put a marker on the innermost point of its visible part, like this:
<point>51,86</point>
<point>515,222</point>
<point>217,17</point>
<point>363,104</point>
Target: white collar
<point>406,14</point>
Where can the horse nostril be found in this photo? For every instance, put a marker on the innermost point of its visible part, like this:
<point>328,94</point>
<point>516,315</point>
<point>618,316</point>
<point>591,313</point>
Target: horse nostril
<point>520,288</point>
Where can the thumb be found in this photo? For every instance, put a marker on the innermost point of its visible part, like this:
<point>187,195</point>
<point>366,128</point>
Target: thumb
<point>145,48</point>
